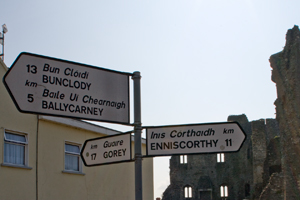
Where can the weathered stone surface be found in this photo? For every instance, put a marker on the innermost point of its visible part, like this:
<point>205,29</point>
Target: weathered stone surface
<point>242,172</point>
<point>272,129</point>
<point>259,148</point>
<point>268,165</point>
<point>274,189</point>
<point>272,162</point>
<point>286,75</point>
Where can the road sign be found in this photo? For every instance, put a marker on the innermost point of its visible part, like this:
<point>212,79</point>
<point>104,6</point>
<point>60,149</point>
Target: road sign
<point>194,139</point>
<point>50,86</point>
<point>107,150</point>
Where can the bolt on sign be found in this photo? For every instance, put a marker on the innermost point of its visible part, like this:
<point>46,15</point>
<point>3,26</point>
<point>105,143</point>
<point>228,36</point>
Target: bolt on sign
<point>194,139</point>
<point>50,86</point>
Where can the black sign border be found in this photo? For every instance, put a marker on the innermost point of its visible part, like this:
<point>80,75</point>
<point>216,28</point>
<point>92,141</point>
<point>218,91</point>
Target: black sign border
<point>70,62</point>
<point>129,160</point>
<point>182,125</point>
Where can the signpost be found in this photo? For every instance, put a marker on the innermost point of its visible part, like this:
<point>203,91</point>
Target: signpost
<point>107,150</point>
<point>50,86</point>
<point>194,139</point>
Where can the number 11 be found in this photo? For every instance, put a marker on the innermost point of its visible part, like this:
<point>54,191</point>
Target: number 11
<point>228,142</point>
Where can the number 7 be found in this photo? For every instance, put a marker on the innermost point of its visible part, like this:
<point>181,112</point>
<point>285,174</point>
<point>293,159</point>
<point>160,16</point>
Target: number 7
<point>93,156</point>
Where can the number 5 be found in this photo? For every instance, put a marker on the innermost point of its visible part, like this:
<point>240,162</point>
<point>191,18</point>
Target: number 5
<point>30,98</point>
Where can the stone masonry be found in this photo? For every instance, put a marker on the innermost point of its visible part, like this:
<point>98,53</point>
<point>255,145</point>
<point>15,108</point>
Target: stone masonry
<point>243,172</point>
<point>267,166</point>
<point>286,75</point>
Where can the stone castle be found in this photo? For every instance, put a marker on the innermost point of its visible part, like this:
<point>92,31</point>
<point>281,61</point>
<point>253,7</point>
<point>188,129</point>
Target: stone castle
<point>267,166</point>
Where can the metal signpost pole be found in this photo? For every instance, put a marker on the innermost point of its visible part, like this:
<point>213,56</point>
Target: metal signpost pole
<point>137,135</point>
<point>2,46</point>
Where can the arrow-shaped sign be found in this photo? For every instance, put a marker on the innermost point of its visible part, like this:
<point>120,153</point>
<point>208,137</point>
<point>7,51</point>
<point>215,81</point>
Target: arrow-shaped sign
<point>50,86</point>
<point>194,139</point>
<point>107,150</point>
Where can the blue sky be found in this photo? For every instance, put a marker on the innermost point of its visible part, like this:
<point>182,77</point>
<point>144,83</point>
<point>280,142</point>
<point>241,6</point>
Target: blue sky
<point>200,61</point>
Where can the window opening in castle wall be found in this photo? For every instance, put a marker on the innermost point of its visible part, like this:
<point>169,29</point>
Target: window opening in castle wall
<point>220,157</point>
<point>188,192</point>
<point>183,159</point>
<point>224,191</point>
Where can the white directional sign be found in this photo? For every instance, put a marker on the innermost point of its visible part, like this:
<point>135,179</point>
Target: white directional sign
<point>50,86</point>
<point>107,150</point>
<point>194,139</point>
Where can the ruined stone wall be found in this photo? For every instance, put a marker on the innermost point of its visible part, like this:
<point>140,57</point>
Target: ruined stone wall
<point>273,190</point>
<point>203,172</point>
<point>286,75</point>
<point>246,173</point>
<point>265,153</point>
<point>259,154</point>
<point>269,160</point>
<point>240,163</point>
<point>197,169</point>
<point>272,129</point>
<point>272,175</point>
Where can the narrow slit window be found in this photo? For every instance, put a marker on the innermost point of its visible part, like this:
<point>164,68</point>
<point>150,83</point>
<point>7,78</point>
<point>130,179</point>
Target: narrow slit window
<point>220,157</point>
<point>188,192</point>
<point>224,191</point>
<point>247,189</point>
<point>183,159</point>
